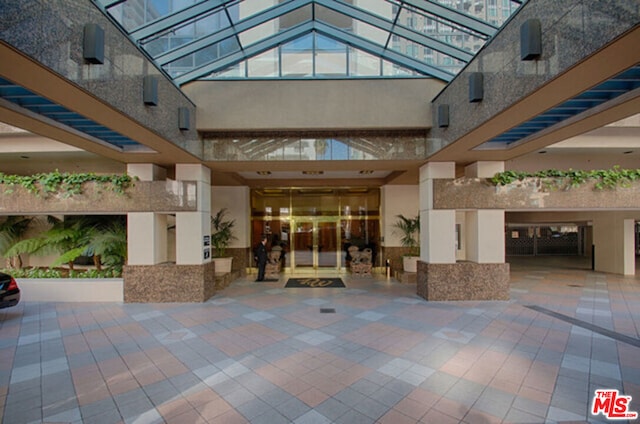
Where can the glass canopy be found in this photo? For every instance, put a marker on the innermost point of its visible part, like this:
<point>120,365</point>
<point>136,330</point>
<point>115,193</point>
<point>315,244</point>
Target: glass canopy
<point>214,39</point>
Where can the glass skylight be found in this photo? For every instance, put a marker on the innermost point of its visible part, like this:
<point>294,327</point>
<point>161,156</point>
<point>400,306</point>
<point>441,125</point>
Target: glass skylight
<point>204,39</point>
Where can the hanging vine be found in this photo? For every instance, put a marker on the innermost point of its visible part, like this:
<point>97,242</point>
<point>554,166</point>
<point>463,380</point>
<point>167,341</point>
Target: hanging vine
<point>603,178</point>
<point>64,183</point>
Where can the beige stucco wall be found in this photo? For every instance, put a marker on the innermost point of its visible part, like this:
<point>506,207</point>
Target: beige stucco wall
<point>313,105</point>
<point>395,200</point>
<point>236,201</point>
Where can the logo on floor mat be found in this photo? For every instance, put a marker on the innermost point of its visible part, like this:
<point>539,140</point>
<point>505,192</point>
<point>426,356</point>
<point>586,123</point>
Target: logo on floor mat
<point>612,405</point>
<point>314,282</point>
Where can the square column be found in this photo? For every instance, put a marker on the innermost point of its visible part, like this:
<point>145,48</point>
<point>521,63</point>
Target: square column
<point>614,241</point>
<point>146,231</point>
<point>440,277</point>
<point>193,228</point>
<point>485,236</point>
<point>437,227</point>
<point>146,238</point>
<point>485,227</point>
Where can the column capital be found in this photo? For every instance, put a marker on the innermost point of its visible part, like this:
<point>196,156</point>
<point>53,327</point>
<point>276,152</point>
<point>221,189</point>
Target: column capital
<point>146,171</point>
<point>193,172</point>
<point>483,169</point>
<point>437,170</point>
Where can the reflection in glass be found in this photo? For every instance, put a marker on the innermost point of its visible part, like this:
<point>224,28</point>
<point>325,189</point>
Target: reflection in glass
<point>317,225</point>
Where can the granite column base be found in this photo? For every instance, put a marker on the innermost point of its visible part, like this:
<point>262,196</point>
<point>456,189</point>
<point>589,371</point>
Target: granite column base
<point>168,283</point>
<point>463,281</point>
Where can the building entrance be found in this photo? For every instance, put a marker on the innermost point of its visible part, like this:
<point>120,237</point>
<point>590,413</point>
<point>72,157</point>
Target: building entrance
<point>314,227</point>
<point>315,243</point>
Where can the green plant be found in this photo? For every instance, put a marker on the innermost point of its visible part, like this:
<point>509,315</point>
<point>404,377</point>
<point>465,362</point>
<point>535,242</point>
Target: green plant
<point>222,233</point>
<point>604,178</point>
<point>103,237</point>
<point>12,229</point>
<point>409,229</point>
<point>57,273</point>
<point>64,183</point>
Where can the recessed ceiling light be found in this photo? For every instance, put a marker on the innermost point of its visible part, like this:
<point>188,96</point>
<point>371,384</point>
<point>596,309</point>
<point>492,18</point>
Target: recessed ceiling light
<point>263,172</point>
<point>313,172</point>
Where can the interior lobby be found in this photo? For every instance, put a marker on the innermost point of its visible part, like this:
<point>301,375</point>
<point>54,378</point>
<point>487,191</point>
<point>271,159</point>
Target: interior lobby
<point>318,123</point>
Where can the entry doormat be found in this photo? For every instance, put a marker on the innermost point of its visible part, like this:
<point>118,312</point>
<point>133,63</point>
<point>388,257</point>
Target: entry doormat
<point>314,282</point>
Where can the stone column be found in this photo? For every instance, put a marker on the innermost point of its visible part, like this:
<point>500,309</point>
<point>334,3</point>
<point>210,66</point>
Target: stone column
<point>192,227</point>
<point>485,227</point>
<point>437,227</point>
<point>146,231</point>
<point>147,276</point>
<point>440,278</point>
<point>613,238</point>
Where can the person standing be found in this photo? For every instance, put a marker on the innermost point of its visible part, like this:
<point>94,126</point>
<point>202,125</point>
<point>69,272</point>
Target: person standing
<point>260,255</point>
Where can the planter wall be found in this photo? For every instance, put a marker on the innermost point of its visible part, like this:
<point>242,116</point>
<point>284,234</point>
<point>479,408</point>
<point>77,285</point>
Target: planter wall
<point>143,196</point>
<point>71,289</point>
<point>531,194</point>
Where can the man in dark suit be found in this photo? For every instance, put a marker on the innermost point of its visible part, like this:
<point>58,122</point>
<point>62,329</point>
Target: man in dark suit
<point>260,255</point>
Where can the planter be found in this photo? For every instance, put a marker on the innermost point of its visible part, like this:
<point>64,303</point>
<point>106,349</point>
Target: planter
<point>223,265</point>
<point>71,289</point>
<point>410,263</point>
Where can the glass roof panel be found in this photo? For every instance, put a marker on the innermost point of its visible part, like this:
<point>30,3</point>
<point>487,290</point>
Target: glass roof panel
<point>193,39</point>
<point>382,8</point>
<point>330,57</point>
<point>437,28</point>
<point>346,23</point>
<point>183,34</point>
<point>132,14</point>
<point>274,26</point>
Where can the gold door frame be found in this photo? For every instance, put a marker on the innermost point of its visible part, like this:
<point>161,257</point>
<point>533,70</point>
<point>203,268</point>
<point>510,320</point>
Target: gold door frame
<point>315,221</point>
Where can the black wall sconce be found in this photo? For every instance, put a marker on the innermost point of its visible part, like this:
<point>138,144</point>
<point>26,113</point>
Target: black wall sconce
<point>443,116</point>
<point>150,90</point>
<point>530,40</point>
<point>476,87</point>
<point>93,44</point>
<point>184,123</point>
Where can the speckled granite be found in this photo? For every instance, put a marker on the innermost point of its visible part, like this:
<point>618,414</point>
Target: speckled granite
<point>394,254</point>
<point>51,33</point>
<point>143,196</point>
<point>571,32</point>
<point>531,194</point>
<point>169,283</point>
<point>463,281</point>
<point>241,261</point>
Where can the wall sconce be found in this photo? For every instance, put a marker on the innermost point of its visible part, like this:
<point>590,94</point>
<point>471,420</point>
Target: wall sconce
<point>476,87</point>
<point>443,116</point>
<point>150,90</point>
<point>184,123</point>
<point>93,44</point>
<point>530,40</point>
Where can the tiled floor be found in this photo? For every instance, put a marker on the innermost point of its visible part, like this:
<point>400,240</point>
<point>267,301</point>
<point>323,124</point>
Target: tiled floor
<point>264,354</point>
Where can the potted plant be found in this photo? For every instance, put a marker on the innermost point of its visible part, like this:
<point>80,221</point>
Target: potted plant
<point>409,228</point>
<point>220,239</point>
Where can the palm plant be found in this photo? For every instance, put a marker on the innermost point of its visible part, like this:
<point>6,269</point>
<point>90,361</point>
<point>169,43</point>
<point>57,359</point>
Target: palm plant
<point>108,245</point>
<point>409,229</point>
<point>78,236</point>
<point>63,238</point>
<point>222,233</point>
<point>12,229</point>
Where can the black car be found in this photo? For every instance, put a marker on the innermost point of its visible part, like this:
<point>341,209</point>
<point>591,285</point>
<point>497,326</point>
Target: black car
<point>9,291</point>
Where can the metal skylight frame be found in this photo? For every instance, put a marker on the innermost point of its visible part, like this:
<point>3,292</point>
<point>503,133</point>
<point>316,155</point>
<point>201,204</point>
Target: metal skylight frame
<point>449,16</point>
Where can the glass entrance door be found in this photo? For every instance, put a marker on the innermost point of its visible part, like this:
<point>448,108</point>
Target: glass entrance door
<point>314,244</point>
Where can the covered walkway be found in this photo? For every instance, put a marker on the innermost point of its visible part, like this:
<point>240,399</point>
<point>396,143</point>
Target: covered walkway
<point>370,352</point>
